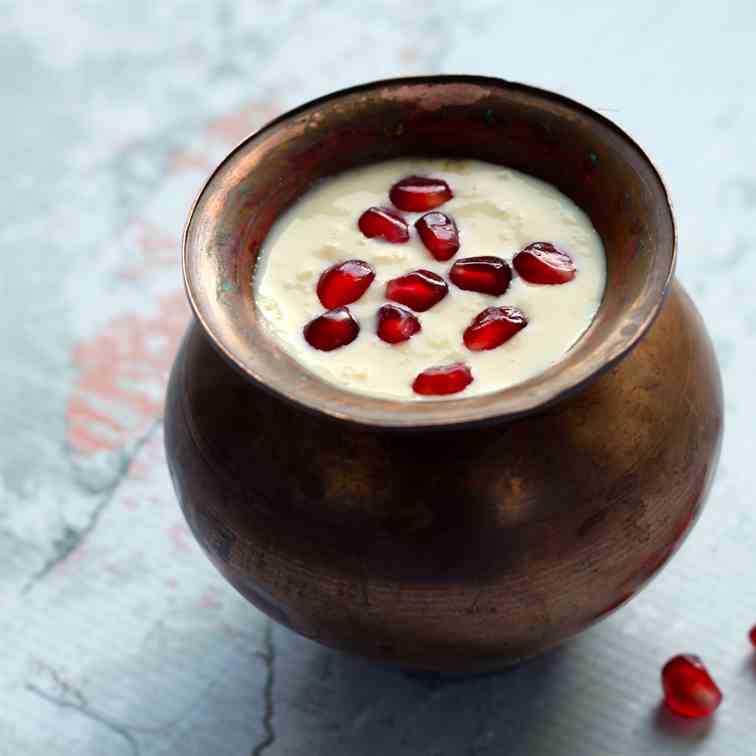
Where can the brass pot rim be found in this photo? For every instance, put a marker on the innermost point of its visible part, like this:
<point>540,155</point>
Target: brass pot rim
<point>533,395</point>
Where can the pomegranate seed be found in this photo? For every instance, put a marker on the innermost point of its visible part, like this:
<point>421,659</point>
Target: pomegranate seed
<point>439,234</point>
<point>492,327</point>
<point>752,636</point>
<point>543,263</point>
<point>418,290</point>
<point>384,223</point>
<point>396,324</point>
<point>487,275</point>
<point>331,330</point>
<point>448,379</point>
<point>344,283</point>
<point>416,194</point>
<point>688,687</point>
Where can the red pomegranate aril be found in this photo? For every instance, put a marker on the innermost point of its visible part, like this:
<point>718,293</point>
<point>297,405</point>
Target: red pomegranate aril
<point>418,290</point>
<point>439,234</point>
<point>494,326</point>
<point>688,688</point>
<point>331,330</point>
<point>486,275</point>
<point>446,379</point>
<point>385,223</point>
<point>416,194</point>
<point>752,636</point>
<point>344,283</point>
<point>543,263</point>
<point>396,324</point>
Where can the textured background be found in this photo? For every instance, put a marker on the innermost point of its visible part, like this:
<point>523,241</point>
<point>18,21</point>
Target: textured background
<point>116,635</point>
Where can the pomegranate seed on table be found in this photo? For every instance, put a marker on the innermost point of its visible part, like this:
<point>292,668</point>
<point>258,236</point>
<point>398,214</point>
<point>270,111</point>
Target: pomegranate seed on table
<point>344,283</point>
<point>331,330</point>
<point>688,688</point>
<point>494,326</point>
<point>752,636</point>
<point>396,324</point>
<point>486,275</point>
<point>543,263</point>
<point>385,223</point>
<point>418,290</point>
<point>446,379</point>
<point>439,234</point>
<point>416,194</point>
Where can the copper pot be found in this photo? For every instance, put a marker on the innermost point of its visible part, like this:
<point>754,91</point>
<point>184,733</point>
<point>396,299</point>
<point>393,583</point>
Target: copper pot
<point>456,535</point>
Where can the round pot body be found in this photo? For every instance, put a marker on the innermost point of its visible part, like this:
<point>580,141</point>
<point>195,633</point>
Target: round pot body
<point>459,549</point>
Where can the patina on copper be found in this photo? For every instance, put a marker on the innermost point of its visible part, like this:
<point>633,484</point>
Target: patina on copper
<point>455,535</point>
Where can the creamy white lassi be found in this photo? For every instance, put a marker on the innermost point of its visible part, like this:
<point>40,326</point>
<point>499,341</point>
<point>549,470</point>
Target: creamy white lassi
<point>497,212</point>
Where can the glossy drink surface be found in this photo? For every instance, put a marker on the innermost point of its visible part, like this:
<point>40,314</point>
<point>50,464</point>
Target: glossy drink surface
<point>498,212</point>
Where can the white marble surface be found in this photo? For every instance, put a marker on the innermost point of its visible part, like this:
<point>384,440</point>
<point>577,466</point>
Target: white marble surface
<point>116,635</point>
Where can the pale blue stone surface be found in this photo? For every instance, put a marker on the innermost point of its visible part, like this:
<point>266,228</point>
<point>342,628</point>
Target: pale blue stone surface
<point>116,635</point>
